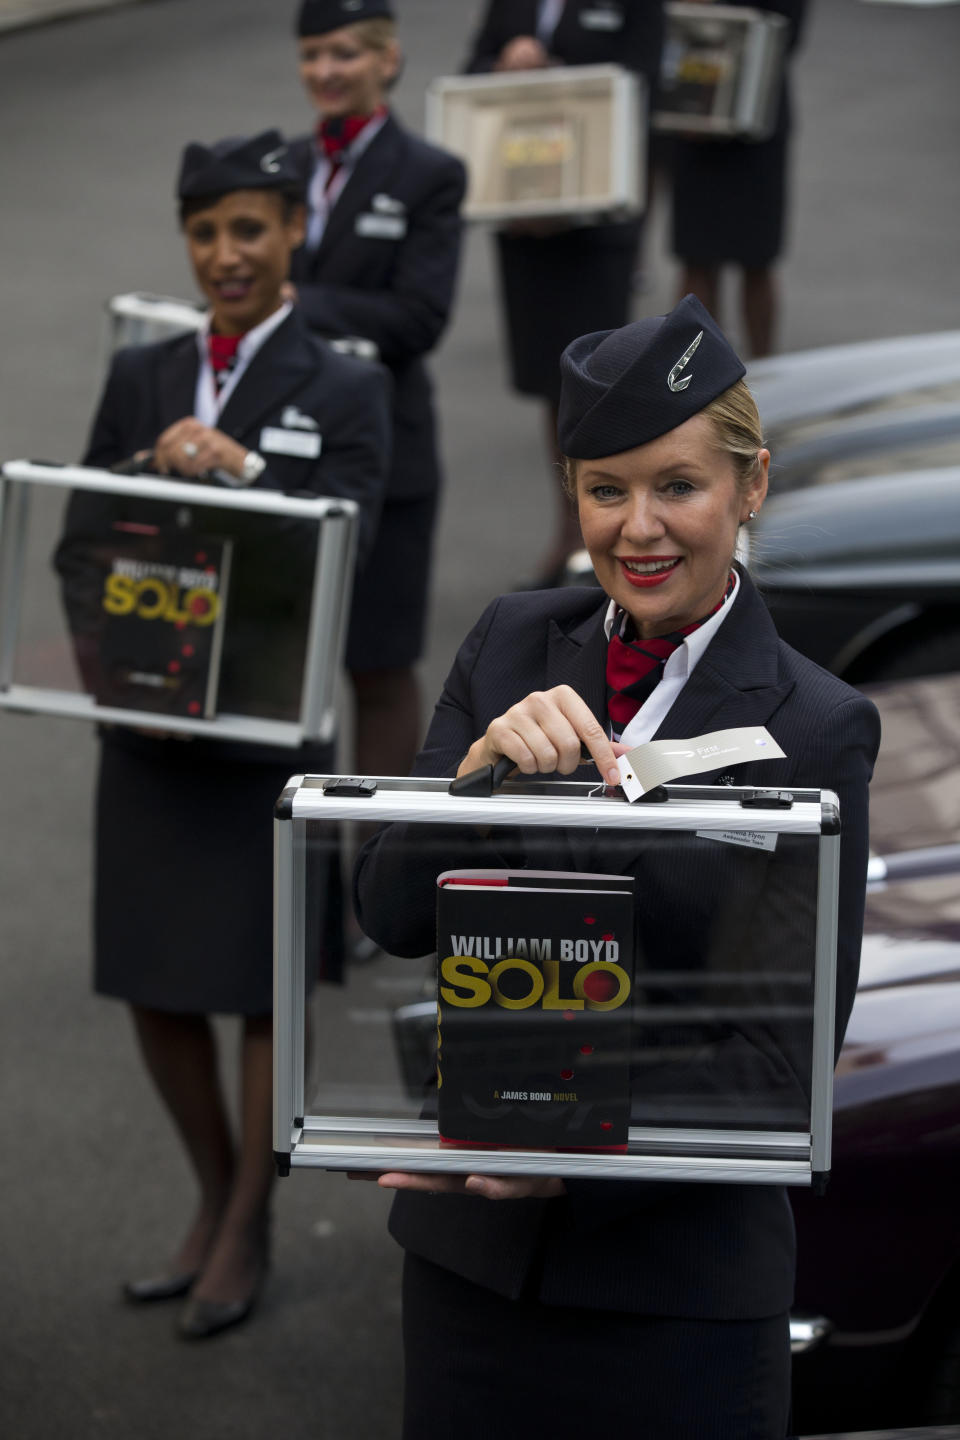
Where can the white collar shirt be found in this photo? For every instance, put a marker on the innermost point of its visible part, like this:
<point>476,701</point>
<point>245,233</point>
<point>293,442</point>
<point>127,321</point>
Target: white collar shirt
<point>676,672</point>
<point>548,18</point>
<point>208,404</point>
<point>320,199</point>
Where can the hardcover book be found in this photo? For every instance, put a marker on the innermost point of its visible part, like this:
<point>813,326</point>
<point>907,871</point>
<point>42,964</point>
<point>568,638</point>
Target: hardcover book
<point>163,610</point>
<point>535,974</point>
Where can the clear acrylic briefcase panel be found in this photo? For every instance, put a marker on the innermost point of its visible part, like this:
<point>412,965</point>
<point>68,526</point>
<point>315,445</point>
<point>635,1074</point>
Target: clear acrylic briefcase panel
<point>722,71</point>
<point>566,141</point>
<point>551,980</point>
<point>194,608</point>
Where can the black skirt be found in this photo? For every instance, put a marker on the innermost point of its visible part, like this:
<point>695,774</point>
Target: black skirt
<point>729,198</point>
<point>478,1364</point>
<point>183,892</point>
<point>557,287</point>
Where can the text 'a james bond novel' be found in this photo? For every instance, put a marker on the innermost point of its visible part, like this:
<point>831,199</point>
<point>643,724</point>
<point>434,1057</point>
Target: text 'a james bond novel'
<point>535,973</point>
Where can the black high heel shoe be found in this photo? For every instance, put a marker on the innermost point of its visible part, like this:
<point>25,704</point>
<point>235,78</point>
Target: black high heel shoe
<point>202,1319</point>
<point>158,1287</point>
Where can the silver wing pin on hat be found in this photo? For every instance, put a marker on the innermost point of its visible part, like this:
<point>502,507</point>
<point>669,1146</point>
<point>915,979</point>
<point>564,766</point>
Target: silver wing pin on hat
<point>270,163</point>
<point>672,381</point>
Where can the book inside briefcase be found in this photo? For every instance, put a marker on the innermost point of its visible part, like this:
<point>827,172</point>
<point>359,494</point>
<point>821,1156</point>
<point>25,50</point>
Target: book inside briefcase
<point>163,609</point>
<point>535,972</point>
<point>552,980</point>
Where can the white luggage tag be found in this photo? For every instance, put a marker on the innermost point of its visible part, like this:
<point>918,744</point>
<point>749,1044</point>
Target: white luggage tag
<point>659,761</point>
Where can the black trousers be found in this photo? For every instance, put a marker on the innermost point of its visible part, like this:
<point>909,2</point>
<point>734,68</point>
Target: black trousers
<point>480,1367</point>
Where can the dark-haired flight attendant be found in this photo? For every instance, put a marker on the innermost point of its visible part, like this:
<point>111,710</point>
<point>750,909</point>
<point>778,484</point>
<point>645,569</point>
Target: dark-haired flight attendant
<point>183,893</point>
<point>380,263</point>
<point>538,1306</point>
<point>560,279</point>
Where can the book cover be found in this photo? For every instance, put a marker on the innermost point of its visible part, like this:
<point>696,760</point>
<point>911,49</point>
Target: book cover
<point>535,974</point>
<point>540,158</point>
<point>701,69</point>
<point>163,611</point>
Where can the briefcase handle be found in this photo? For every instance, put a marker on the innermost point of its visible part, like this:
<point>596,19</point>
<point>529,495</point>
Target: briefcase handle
<point>483,781</point>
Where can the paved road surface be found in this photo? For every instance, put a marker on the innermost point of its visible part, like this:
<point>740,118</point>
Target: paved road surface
<point>93,1186</point>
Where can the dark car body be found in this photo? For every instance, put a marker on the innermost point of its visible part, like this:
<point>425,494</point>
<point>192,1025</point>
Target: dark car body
<point>879,1254</point>
<point>857,549</point>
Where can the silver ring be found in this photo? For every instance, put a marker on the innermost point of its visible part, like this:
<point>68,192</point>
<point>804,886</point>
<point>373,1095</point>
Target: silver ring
<point>189,448</point>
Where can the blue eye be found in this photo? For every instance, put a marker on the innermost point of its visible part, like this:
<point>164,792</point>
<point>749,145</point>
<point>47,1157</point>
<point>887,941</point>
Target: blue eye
<point>680,488</point>
<point>604,492</point>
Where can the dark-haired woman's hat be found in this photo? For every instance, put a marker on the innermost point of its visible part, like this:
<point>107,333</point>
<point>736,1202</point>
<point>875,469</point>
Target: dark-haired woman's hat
<point>262,162</point>
<point>316,17</point>
<point>621,388</point>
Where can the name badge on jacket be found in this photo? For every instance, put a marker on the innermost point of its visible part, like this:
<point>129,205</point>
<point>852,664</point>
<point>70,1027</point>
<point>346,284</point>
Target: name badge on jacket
<point>606,19</point>
<point>304,444</point>
<point>380,227</point>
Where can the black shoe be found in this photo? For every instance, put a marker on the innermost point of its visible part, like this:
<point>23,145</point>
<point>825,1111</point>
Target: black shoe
<point>158,1287</point>
<point>201,1319</point>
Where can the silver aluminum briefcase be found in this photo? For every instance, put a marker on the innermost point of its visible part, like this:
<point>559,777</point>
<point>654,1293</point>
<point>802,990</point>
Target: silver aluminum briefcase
<point>722,71</point>
<point>733,1040</point>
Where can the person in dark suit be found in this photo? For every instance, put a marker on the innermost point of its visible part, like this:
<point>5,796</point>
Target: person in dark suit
<point>650,1308</point>
<point>183,896</point>
<point>379,265</point>
<point>559,280</point>
<point>729,207</point>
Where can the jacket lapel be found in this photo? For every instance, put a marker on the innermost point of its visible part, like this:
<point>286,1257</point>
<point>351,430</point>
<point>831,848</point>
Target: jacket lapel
<point>177,381</point>
<point>274,373</point>
<point>371,173</point>
<point>578,659</point>
<point>736,682</point>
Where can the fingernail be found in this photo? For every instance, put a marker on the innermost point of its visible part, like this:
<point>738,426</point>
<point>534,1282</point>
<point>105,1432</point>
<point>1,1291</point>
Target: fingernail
<point>613,776</point>
<point>475,1184</point>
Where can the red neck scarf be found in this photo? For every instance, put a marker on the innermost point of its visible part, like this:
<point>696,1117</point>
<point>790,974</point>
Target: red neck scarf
<point>635,667</point>
<point>335,136</point>
<point>222,350</point>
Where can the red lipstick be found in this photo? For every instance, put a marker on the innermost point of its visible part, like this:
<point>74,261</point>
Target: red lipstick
<point>645,581</point>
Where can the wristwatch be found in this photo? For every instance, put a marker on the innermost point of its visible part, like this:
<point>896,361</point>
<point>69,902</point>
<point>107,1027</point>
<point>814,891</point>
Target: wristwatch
<point>252,468</point>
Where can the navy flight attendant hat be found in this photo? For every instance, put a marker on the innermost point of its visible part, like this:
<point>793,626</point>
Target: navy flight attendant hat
<point>621,388</point>
<point>262,162</point>
<point>316,17</point>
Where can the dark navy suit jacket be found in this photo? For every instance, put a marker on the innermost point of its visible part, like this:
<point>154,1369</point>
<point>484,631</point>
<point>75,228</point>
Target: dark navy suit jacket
<point>393,283</point>
<point>696,1250</point>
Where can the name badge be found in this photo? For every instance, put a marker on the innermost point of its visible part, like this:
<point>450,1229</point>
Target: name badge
<point>380,227</point>
<point>752,839</point>
<point>601,19</point>
<point>304,444</point>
